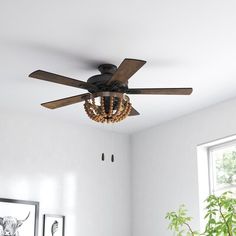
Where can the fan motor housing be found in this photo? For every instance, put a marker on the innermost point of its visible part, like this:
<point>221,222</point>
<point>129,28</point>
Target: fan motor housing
<point>107,68</point>
<point>100,81</point>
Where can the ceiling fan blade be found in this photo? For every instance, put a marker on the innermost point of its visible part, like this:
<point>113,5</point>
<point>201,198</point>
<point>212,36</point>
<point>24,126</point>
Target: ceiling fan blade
<point>161,91</point>
<point>127,68</point>
<point>133,112</point>
<point>66,101</point>
<point>59,79</point>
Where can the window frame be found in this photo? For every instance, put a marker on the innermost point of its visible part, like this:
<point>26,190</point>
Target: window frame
<point>210,149</point>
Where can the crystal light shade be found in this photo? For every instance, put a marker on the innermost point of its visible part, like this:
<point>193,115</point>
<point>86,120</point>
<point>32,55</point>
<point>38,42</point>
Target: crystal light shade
<point>110,107</point>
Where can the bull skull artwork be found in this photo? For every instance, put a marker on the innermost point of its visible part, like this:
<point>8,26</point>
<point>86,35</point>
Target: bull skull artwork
<point>9,225</point>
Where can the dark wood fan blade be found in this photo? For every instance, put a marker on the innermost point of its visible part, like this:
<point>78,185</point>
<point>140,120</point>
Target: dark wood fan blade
<point>161,91</point>
<point>127,68</point>
<point>59,79</point>
<point>133,112</point>
<point>66,101</point>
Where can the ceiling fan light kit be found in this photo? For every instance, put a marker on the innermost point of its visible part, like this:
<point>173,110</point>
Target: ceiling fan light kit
<point>112,107</point>
<point>106,100</point>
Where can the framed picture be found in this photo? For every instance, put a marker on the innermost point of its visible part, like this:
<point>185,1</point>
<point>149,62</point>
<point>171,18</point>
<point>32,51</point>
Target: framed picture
<point>53,225</point>
<point>18,217</point>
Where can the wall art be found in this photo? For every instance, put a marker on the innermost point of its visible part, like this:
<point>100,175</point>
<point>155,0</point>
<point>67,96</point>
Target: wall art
<point>53,225</point>
<point>18,217</point>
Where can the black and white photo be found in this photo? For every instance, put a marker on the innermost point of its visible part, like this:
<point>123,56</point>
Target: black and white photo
<point>53,225</point>
<point>18,217</point>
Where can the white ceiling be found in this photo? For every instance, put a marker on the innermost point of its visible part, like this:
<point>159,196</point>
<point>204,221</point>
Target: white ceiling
<point>185,42</point>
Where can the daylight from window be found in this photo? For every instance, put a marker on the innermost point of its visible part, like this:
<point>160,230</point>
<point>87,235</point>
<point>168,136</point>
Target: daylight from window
<point>222,168</point>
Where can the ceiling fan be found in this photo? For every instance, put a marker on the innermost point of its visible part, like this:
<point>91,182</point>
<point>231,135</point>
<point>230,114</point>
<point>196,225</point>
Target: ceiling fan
<point>110,87</point>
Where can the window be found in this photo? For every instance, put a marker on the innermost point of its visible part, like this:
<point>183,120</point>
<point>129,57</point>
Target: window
<point>222,168</point>
<point>216,170</point>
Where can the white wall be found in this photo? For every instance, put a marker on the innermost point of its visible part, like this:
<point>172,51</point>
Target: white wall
<point>164,166</point>
<point>60,166</point>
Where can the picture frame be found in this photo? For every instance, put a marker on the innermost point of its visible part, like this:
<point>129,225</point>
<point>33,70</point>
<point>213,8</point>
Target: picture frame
<point>53,225</point>
<point>18,217</point>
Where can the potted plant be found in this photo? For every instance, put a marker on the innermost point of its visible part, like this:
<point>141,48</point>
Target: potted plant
<point>220,217</point>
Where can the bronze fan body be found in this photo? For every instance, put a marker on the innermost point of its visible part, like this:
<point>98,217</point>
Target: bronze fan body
<point>111,85</point>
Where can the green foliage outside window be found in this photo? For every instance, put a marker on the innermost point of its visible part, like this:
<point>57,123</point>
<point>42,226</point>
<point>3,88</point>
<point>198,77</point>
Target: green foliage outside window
<point>226,168</point>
